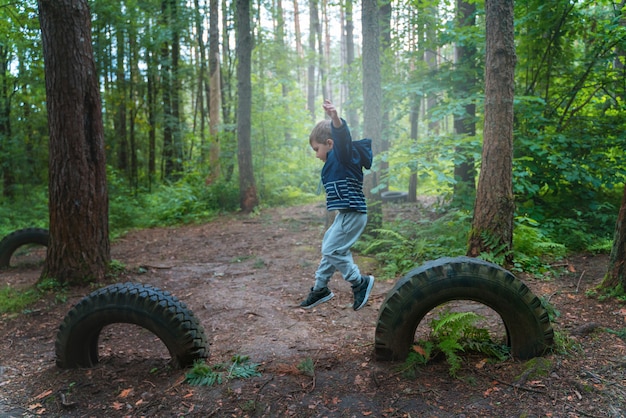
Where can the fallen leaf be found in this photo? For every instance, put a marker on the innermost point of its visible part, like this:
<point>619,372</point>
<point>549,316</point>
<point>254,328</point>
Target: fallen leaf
<point>124,393</point>
<point>418,349</point>
<point>34,406</point>
<point>117,406</point>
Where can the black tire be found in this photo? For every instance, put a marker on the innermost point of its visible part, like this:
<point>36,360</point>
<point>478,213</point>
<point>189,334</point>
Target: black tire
<point>149,307</point>
<point>528,328</point>
<point>16,239</point>
<point>394,197</point>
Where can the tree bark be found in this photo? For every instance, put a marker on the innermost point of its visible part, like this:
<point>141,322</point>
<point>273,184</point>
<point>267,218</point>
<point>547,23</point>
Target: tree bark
<point>7,169</point>
<point>492,226</point>
<point>215,104</point>
<point>247,188</point>
<point>313,31</point>
<point>372,100</point>
<point>616,274</point>
<point>465,125</point>
<point>351,111</point>
<point>79,247</point>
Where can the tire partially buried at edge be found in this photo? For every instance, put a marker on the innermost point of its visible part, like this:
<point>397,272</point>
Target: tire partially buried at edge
<point>16,239</point>
<point>528,328</point>
<point>146,306</point>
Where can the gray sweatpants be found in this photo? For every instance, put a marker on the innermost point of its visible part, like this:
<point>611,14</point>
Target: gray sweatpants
<point>338,239</point>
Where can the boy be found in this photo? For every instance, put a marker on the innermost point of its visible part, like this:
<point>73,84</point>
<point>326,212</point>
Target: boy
<point>342,177</point>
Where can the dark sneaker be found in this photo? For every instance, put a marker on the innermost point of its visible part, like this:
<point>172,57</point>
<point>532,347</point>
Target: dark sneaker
<point>316,297</point>
<point>362,292</point>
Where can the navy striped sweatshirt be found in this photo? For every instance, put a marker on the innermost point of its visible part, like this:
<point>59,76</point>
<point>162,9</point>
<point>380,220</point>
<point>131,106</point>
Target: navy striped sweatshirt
<point>342,174</point>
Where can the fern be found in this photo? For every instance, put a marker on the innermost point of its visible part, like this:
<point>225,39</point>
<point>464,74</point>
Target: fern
<point>241,369</point>
<point>452,333</point>
<point>202,374</point>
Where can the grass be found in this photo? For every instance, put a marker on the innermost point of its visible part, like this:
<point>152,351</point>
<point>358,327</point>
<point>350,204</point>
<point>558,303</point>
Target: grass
<point>13,301</point>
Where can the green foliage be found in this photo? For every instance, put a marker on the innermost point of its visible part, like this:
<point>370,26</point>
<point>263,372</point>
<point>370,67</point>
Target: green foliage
<point>606,293</point>
<point>533,250</point>
<point>202,374</point>
<point>188,200</point>
<point>563,344</point>
<point>403,245</point>
<point>31,210</point>
<point>620,333</point>
<point>452,333</point>
<point>14,300</point>
<point>307,367</point>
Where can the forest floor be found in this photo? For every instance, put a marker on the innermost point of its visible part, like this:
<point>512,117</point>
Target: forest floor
<point>243,278</point>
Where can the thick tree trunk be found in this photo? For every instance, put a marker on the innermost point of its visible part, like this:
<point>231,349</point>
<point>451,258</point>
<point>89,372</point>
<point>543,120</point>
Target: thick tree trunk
<point>372,100</point>
<point>247,187</point>
<point>384,12</point>
<point>79,248</point>
<point>492,226</point>
<point>616,274</point>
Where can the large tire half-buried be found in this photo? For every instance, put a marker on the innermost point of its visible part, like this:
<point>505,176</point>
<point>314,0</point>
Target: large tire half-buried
<point>528,328</point>
<point>19,238</point>
<point>149,307</point>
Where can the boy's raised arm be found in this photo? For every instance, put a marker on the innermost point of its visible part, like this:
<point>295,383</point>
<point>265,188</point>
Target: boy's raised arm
<point>331,111</point>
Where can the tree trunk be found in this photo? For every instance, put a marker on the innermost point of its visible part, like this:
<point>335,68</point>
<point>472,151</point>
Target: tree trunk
<point>492,226</point>
<point>465,125</point>
<point>6,167</point>
<point>616,274</point>
<point>298,38</point>
<point>313,31</point>
<point>200,111</point>
<point>247,188</point>
<point>351,111</point>
<point>215,105</point>
<point>372,99</point>
<point>384,12</point>
<point>79,248</point>
<point>120,115</point>
<point>151,88</point>
<point>134,106</point>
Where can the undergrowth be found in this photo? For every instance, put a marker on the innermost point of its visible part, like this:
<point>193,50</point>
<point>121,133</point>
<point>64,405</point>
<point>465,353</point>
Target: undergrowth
<point>203,374</point>
<point>14,300</point>
<point>402,245</point>
<point>451,334</point>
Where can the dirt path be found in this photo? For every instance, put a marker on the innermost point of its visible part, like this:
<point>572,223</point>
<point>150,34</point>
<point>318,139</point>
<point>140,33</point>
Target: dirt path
<point>243,277</point>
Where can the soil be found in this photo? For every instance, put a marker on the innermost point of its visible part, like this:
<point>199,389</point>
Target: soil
<point>243,278</point>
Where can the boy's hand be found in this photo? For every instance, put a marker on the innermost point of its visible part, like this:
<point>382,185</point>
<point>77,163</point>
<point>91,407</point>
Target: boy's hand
<point>330,110</point>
